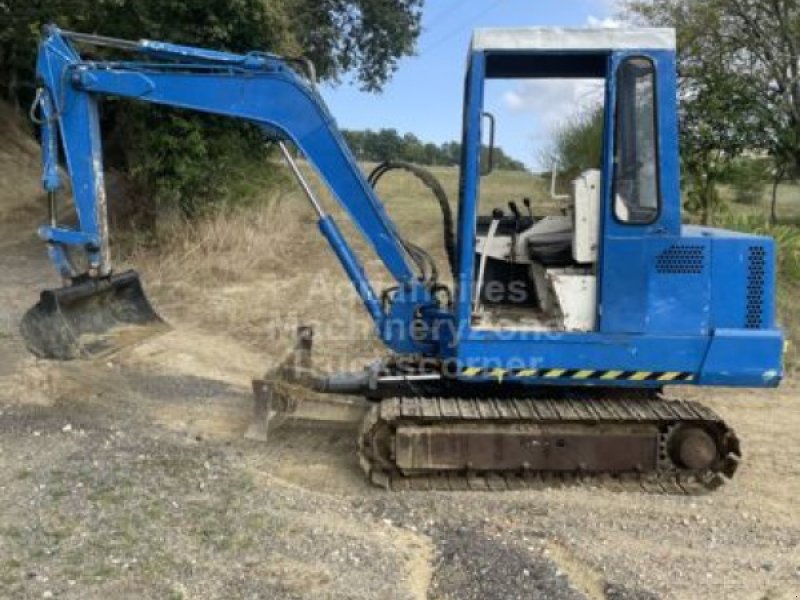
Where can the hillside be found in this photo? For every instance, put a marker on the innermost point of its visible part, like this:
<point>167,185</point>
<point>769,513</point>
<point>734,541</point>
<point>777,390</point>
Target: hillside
<point>20,171</point>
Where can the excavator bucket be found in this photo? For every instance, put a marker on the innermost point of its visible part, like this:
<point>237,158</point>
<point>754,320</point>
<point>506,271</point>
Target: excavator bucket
<point>91,318</point>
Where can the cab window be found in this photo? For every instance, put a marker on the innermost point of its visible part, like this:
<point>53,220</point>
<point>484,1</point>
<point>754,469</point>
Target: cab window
<point>636,195</point>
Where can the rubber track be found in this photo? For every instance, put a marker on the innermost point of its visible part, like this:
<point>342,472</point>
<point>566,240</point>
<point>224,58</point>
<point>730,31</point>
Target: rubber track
<point>382,419</point>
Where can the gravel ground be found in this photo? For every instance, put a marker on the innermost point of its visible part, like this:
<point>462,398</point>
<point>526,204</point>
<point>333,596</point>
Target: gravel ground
<point>103,498</point>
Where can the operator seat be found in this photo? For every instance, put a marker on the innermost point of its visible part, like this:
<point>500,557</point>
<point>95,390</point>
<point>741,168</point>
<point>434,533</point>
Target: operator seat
<point>551,249</point>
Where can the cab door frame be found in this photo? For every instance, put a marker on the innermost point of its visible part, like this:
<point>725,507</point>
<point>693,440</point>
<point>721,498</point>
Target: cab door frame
<point>625,256</point>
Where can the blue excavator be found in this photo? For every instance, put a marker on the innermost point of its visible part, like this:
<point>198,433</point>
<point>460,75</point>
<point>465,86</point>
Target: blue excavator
<point>546,360</point>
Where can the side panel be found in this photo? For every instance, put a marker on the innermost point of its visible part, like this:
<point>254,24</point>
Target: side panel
<point>743,295</point>
<point>679,286</point>
<point>623,283</point>
<point>584,358</point>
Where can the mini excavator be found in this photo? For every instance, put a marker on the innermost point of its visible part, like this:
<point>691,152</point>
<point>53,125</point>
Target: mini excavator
<point>546,361</point>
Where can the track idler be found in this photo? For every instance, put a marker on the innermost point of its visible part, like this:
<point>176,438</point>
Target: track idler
<point>92,317</point>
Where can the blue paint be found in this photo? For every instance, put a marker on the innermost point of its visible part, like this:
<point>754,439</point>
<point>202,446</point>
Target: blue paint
<point>58,256</point>
<point>469,183</point>
<point>68,237</point>
<point>51,181</point>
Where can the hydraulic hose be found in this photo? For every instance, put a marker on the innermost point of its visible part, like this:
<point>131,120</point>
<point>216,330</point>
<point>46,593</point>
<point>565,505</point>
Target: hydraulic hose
<point>430,181</point>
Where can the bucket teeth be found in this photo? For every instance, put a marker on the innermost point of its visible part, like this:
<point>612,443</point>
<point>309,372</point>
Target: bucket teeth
<point>91,318</point>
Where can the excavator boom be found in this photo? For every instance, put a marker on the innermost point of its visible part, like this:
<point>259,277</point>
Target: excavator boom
<point>259,88</point>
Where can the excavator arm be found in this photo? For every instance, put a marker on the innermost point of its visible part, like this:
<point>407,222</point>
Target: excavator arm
<point>257,87</point>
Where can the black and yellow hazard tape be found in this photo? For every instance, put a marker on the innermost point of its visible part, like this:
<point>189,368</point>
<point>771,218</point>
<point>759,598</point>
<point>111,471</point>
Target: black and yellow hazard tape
<point>580,374</point>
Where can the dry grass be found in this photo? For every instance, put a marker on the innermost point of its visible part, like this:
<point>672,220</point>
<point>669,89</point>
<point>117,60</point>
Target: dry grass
<point>19,154</point>
<point>259,273</point>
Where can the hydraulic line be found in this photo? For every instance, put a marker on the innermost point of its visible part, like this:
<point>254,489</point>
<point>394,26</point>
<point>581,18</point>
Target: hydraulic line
<point>432,183</point>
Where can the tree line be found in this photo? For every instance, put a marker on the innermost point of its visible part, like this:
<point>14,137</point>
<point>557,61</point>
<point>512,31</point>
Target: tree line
<point>388,144</point>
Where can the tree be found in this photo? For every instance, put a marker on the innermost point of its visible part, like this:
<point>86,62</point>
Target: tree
<point>718,124</point>
<point>578,144</point>
<point>767,35</point>
<point>184,158</point>
<point>739,62</point>
<point>364,36</point>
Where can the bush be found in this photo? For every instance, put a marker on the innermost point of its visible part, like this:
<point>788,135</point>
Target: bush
<point>192,163</point>
<point>748,177</point>
<point>578,144</point>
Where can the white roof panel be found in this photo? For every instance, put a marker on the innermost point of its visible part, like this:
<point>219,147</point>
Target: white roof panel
<point>557,38</point>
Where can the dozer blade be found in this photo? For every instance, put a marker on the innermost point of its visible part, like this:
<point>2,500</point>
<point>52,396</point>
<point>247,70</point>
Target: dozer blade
<point>91,318</point>
<point>294,391</point>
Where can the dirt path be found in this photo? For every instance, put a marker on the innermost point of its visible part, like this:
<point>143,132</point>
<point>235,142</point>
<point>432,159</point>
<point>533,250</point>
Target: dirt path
<point>130,478</point>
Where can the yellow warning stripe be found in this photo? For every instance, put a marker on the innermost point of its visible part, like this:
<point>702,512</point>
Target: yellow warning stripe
<point>669,376</point>
<point>526,373</point>
<point>499,373</point>
<point>555,372</point>
<point>611,374</point>
<point>581,374</point>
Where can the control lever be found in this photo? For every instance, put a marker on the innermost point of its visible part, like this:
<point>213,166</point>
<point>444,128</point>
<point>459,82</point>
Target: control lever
<point>517,227</point>
<point>517,215</point>
<point>497,216</point>
<point>527,203</point>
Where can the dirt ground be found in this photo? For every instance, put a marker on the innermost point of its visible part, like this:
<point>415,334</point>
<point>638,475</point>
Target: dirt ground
<point>129,477</point>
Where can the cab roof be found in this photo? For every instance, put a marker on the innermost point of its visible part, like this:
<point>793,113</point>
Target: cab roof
<point>553,39</point>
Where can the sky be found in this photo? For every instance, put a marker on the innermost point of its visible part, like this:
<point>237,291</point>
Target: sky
<point>425,95</point>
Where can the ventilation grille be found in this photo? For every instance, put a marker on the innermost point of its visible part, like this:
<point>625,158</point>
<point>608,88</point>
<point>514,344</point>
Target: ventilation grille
<point>756,266</point>
<point>682,260</point>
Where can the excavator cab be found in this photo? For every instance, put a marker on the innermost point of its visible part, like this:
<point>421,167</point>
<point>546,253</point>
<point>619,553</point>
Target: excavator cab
<point>609,285</point>
<point>537,268</point>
